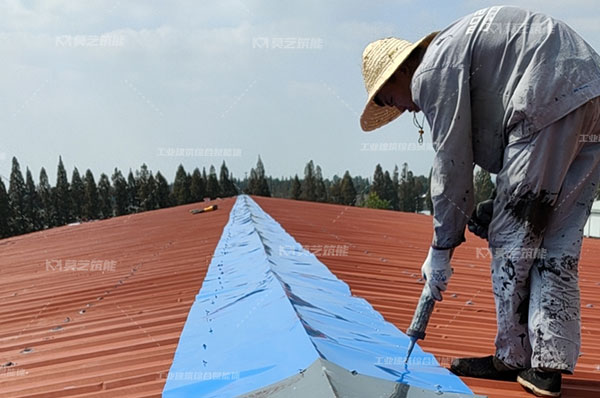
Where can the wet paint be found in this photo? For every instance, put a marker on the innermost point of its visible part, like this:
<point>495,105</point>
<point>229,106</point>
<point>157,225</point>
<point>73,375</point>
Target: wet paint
<point>532,209</point>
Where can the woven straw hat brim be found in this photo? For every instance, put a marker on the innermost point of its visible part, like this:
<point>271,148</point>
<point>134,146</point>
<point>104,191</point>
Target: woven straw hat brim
<point>375,116</point>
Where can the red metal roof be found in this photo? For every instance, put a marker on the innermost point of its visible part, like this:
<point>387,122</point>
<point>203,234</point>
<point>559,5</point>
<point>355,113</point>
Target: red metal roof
<point>113,333</point>
<point>385,250</point>
<point>101,334</point>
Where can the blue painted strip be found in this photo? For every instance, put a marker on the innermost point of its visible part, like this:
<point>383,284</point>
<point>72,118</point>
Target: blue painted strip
<point>268,308</point>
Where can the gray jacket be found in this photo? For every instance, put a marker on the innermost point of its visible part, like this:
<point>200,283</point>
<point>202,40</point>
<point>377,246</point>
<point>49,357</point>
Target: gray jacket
<point>480,77</point>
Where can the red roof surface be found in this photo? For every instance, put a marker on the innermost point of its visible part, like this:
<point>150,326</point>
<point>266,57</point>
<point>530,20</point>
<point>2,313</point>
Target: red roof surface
<point>113,334</point>
<point>383,262</point>
<point>123,344</point>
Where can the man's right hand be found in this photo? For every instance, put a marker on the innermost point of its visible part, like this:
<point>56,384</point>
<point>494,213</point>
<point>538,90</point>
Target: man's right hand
<point>436,271</point>
<point>481,218</point>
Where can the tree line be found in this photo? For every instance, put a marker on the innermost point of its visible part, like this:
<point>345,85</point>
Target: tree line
<point>27,207</point>
<point>400,190</point>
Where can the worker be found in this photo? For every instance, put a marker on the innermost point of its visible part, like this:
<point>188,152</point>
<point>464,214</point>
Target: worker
<point>516,93</point>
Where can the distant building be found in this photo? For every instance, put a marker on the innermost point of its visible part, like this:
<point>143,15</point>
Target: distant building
<point>592,226</point>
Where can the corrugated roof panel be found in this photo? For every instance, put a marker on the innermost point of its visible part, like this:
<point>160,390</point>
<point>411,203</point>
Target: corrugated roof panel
<point>381,261</point>
<point>110,326</point>
<point>113,333</point>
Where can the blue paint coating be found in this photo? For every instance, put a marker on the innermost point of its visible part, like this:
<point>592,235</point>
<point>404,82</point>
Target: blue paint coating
<point>268,309</point>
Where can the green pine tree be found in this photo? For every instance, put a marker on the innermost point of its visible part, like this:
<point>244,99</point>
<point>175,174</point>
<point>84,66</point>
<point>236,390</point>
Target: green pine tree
<point>33,204</point>
<point>121,195</point>
<point>91,207</point>
<point>48,216</point>
<point>394,199</point>
<point>348,192</point>
<point>213,190</point>
<point>335,190</point>
<point>62,196</point>
<point>133,202</point>
<point>151,200</point>
<point>163,192</point>
<point>146,187</point>
<point>390,193</point>
<point>19,223</point>
<point>77,196</point>
<point>5,213</point>
<point>309,184</point>
<point>296,190</point>
<point>197,187</point>
<point>378,184</point>
<point>181,187</point>
<point>320,189</point>
<point>105,197</point>
<point>225,181</point>
<point>408,195</point>
<point>262,185</point>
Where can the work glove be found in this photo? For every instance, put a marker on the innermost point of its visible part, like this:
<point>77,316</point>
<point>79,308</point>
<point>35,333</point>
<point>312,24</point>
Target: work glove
<point>481,218</point>
<point>437,271</point>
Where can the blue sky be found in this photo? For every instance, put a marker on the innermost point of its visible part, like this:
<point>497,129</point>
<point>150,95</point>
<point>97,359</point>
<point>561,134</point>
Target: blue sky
<point>119,83</point>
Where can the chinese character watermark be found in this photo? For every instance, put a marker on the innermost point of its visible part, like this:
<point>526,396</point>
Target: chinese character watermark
<point>12,372</point>
<point>201,376</point>
<point>394,146</point>
<point>589,138</point>
<point>288,43</point>
<point>58,265</point>
<point>107,40</point>
<point>415,361</point>
<point>515,253</point>
<point>317,250</point>
<point>199,152</point>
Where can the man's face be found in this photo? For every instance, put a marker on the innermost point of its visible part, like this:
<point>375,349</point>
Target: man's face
<point>396,92</point>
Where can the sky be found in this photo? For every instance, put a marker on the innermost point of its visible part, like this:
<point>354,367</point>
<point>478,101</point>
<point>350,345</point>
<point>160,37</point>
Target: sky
<point>118,83</point>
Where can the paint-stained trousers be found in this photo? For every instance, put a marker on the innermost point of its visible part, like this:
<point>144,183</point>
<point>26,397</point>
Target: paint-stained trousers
<point>545,192</point>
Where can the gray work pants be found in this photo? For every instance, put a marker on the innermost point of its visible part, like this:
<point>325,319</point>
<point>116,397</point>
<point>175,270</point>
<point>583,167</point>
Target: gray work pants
<point>545,192</point>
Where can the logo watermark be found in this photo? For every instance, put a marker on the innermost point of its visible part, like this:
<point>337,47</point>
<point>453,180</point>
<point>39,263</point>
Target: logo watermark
<point>201,376</point>
<point>12,372</point>
<point>317,250</point>
<point>394,146</point>
<point>58,265</point>
<point>107,40</point>
<point>416,361</point>
<point>589,138</point>
<point>199,152</point>
<point>514,253</point>
<point>288,43</point>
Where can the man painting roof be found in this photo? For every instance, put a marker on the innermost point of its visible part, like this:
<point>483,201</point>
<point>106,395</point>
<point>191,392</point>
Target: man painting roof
<point>518,94</point>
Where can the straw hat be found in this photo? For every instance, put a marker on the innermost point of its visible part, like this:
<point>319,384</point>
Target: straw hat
<point>381,59</point>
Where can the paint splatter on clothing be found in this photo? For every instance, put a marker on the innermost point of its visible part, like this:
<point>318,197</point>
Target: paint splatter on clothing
<point>545,192</point>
